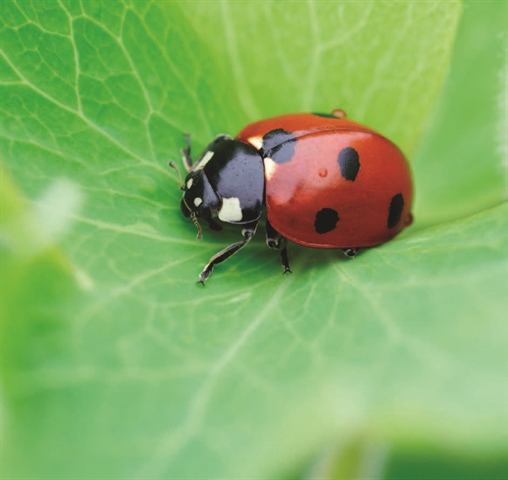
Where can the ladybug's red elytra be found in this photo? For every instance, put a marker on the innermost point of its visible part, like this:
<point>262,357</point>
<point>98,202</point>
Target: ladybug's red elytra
<point>326,182</point>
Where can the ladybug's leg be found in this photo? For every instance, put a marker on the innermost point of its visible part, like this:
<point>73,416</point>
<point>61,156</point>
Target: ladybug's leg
<point>186,154</point>
<point>276,241</point>
<point>214,225</point>
<point>350,252</point>
<point>248,232</point>
<point>284,257</point>
<point>205,156</point>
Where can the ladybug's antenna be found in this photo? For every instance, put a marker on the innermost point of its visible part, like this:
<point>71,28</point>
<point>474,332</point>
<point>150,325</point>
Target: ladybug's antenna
<point>173,165</point>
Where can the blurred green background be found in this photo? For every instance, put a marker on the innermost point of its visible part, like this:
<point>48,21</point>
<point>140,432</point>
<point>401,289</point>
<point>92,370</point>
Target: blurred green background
<point>116,365</point>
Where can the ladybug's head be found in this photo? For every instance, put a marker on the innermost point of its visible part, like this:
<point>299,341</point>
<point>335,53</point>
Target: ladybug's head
<point>199,199</point>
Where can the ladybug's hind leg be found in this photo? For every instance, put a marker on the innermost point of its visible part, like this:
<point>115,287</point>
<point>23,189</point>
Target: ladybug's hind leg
<point>350,252</point>
<point>276,241</point>
<point>248,232</point>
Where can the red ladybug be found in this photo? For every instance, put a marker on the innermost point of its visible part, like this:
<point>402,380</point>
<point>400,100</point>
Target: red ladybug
<point>326,182</point>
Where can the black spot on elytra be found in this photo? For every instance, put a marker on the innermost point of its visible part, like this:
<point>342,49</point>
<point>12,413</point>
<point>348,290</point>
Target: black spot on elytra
<point>349,163</point>
<point>326,220</point>
<point>278,145</point>
<point>395,211</point>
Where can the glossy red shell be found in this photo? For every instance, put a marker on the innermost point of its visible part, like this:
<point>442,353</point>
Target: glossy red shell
<point>370,208</point>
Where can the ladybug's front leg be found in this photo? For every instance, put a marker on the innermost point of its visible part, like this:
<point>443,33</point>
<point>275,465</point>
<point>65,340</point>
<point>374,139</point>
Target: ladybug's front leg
<point>248,232</point>
<point>276,241</point>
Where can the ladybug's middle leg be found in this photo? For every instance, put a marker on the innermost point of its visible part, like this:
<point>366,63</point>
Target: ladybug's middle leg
<point>204,157</point>
<point>248,232</point>
<point>276,241</point>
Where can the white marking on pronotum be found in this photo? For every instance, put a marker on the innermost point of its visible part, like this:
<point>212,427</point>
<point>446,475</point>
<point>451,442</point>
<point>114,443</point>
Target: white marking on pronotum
<point>256,142</point>
<point>198,201</point>
<point>270,168</point>
<point>230,210</point>
<point>189,183</point>
<point>206,158</point>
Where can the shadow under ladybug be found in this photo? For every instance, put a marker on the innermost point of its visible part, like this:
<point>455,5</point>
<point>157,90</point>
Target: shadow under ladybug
<point>325,182</point>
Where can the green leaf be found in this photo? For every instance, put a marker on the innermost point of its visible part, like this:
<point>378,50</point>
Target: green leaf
<point>458,177</point>
<point>116,365</point>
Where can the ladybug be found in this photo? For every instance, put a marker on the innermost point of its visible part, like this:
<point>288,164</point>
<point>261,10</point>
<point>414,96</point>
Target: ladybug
<point>325,181</point>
